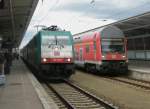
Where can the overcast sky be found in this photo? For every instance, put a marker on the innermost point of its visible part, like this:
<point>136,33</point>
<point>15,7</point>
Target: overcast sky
<point>80,15</point>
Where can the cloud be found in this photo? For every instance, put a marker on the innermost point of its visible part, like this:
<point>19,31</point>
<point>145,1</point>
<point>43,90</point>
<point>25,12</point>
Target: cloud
<point>81,15</point>
<point>102,9</point>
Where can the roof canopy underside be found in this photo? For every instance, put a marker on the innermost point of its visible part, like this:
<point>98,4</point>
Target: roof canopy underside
<point>135,26</point>
<point>15,16</point>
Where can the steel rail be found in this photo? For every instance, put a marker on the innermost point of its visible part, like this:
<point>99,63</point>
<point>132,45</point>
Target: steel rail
<point>97,99</point>
<point>131,83</point>
<point>67,103</point>
<point>70,104</point>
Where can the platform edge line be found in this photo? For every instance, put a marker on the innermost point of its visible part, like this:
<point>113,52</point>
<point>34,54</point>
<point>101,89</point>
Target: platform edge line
<point>46,101</point>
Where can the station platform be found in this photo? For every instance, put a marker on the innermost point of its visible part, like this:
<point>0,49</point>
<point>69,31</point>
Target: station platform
<point>139,72</point>
<point>23,91</point>
<point>139,69</point>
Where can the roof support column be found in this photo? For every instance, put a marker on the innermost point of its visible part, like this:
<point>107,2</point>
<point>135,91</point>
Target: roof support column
<point>144,48</point>
<point>12,20</point>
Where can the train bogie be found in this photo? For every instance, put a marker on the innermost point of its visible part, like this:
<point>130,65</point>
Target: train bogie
<point>57,70</point>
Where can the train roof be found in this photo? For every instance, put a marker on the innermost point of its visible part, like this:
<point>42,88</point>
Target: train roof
<point>110,31</point>
<point>105,31</point>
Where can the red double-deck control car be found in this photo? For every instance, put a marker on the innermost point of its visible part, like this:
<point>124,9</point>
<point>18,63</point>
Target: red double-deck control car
<point>103,49</point>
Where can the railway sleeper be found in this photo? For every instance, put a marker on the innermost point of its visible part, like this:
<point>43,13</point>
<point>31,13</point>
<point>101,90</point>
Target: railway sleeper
<point>75,93</point>
<point>81,99</point>
<point>87,106</point>
<point>77,101</point>
<point>61,105</point>
<point>81,96</point>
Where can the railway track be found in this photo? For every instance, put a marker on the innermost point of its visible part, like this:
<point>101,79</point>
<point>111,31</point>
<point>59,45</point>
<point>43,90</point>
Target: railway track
<point>69,96</point>
<point>133,82</point>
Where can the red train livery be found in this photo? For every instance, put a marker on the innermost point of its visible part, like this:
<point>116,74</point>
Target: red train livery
<point>101,49</point>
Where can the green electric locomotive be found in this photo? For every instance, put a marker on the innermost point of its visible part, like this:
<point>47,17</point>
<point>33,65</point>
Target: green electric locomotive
<point>51,53</point>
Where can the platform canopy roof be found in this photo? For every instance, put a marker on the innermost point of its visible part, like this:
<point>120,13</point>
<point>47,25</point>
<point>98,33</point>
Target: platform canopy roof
<point>15,16</point>
<point>136,25</point>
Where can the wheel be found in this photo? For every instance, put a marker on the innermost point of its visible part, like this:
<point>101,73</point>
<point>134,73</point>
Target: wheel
<point>87,68</point>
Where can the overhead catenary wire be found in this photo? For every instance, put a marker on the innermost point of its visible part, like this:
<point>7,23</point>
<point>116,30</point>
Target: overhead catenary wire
<point>40,21</point>
<point>131,11</point>
<point>49,10</point>
<point>115,15</point>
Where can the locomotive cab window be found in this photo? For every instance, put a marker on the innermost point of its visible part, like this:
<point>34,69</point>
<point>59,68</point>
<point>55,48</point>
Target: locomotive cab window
<point>55,40</point>
<point>113,45</point>
<point>48,40</point>
<point>63,40</point>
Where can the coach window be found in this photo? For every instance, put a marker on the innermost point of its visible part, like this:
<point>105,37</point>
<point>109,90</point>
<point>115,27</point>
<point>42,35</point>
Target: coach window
<point>81,55</point>
<point>87,48</point>
<point>94,45</point>
<point>76,55</point>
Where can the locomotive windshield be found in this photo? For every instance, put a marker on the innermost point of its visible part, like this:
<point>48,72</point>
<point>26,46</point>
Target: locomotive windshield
<point>55,40</point>
<point>112,45</point>
<point>63,40</point>
<point>47,40</point>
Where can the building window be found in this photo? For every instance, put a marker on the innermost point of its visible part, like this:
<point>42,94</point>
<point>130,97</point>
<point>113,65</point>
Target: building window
<point>147,43</point>
<point>130,44</point>
<point>139,44</point>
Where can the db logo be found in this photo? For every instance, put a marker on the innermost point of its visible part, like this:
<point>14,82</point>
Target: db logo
<point>113,56</point>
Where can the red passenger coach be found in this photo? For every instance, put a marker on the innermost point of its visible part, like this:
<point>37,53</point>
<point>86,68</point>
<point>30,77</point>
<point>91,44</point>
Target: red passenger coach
<point>103,49</point>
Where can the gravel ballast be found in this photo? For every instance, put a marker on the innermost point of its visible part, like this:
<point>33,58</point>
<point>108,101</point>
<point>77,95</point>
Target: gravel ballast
<point>123,95</point>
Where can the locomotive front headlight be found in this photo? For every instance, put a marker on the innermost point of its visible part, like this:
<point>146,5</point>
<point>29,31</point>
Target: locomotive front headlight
<point>44,59</point>
<point>56,48</point>
<point>68,59</point>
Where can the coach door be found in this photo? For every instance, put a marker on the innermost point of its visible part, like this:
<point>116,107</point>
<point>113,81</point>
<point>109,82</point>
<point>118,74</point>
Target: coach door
<point>94,46</point>
<point>81,54</point>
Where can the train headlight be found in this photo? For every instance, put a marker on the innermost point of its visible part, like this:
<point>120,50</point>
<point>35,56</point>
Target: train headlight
<point>56,48</point>
<point>103,56</point>
<point>123,56</point>
<point>44,59</point>
<point>68,60</point>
